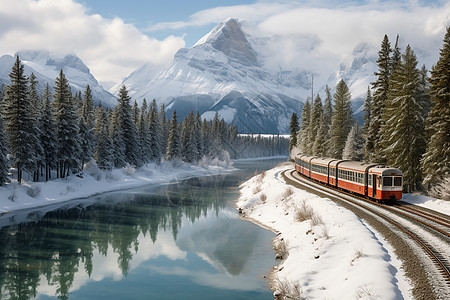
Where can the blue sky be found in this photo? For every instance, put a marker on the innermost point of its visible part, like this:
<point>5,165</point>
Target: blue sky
<point>143,14</point>
<point>115,37</point>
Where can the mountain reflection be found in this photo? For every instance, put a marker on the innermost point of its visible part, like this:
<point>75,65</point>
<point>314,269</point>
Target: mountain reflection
<point>56,252</point>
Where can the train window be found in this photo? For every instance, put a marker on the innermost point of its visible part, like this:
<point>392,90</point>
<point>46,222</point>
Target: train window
<point>370,180</point>
<point>387,181</point>
<point>397,181</point>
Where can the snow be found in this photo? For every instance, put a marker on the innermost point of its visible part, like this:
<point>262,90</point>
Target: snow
<point>339,257</point>
<point>14,197</point>
<point>439,205</point>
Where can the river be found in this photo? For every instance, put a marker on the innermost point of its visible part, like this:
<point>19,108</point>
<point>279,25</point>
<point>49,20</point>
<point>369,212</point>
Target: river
<point>181,240</point>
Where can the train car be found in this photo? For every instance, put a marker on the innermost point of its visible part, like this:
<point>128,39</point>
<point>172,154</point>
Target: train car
<point>372,180</point>
<point>384,183</point>
<point>320,169</point>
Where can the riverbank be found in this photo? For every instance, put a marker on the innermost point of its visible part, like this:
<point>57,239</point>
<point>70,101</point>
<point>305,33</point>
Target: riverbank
<point>94,181</point>
<point>327,251</point>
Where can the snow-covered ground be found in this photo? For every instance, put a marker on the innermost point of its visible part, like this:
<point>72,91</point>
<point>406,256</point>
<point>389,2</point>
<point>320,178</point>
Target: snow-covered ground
<point>333,256</point>
<point>439,205</point>
<point>94,181</point>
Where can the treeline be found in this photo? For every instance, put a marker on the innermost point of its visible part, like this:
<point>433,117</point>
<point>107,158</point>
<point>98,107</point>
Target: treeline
<point>406,120</point>
<point>62,131</point>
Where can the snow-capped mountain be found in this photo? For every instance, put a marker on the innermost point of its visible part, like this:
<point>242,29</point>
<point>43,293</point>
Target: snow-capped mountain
<point>222,73</point>
<point>46,67</point>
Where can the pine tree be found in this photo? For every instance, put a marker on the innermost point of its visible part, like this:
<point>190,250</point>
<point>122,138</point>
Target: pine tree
<point>66,117</point>
<point>403,129</point>
<point>436,160</point>
<point>327,109</point>
<point>117,139</point>
<point>155,132</point>
<point>381,88</point>
<point>164,125</point>
<point>342,119</point>
<point>199,136</point>
<point>144,134</point>
<point>104,147</point>
<point>128,128</point>
<point>302,136</point>
<point>315,120</point>
<point>188,143</point>
<point>173,145</point>
<point>396,55</point>
<point>37,112</point>
<point>48,137</point>
<point>135,113</point>
<point>293,128</point>
<point>3,160</point>
<point>19,121</point>
<point>367,117</point>
<point>423,91</point>
<point>320,143</point>
<point>354,145</point>
<point>87,121</point>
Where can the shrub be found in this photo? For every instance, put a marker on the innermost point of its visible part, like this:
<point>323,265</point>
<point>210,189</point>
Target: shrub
<point>287,290</point>
<point>305,212</point>
<point>280,248</point>
<point>263,198</point>
<point>288,193</point>
<point>316,219</point>
<point>33,191</point>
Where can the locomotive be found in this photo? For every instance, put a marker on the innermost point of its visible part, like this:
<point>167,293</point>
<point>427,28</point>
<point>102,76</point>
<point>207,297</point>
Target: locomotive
<point>374,181</point>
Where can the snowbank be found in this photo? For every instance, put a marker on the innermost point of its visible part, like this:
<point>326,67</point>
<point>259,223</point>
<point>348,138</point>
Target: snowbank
<point>439,205</point>
<point>330,255</point>
<point>94,181</point>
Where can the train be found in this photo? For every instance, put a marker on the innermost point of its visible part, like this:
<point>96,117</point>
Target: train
<point>373,181</point>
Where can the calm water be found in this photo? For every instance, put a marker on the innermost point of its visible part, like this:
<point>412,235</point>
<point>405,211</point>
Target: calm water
<point>182,240</point>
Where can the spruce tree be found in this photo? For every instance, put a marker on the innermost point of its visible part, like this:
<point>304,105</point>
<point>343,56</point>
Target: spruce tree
<point>188,143</point>
<point>37,112</point>
<point>128,128</point>
<point>117,139</point>
<point>327,108</point>
<point>155,132</point>
<point>342,119</point>
<point>314,122</point>
<point>381,88</point>
<point>302,136</point>
<point>104,148</point>
<point>66,117</point>
<point>173,145</point>
<point>293,128</point>
<point>164,125</point>
<point>367,117</point>
<point>403,124</point>
<point>396,55</point>
<point>320,143</point>
<point>135,113</point>
<point>354,145</point>
<point>3,159</point>
<point>144,134</point>
<point>48,137</point>
<point>423,91</point>
<point>87,121</point>
<point>19,121</point>
<point>436,160</point>
<point>199,136</point>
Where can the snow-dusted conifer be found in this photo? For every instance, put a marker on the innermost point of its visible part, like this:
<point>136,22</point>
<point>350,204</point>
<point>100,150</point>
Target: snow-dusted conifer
<point>327,108</point>
<point>354,145</point>
<point>293,128</point>
<point>423,96</point>
<point>3,159</point>
<point>173,145</point>
<point>37,112</point>
<point>436,160</point>
<point>403,124</point>
<point>367,117</point>
<point>342,120</point>
<point>48,131</point>
<point>188,143</point>
<point>144,134</point>
<point>66,117</point>
<point>396,55</point>
<point>199,137</point>
<point>320,144</point>
<point>117,140</point>
<point>381,88</point>
<point>128,128</point>
<point>19,121</point>
<point>104,148</point>
<point>302,136</point>
<point>314,122</point>
<point>135,113</point>
<point>164,125</point>
<point>155,132</point>
<point>87,121</point>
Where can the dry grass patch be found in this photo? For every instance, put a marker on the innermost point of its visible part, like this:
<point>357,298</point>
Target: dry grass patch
<point>288,193</point>
<point>304,212</point>
<point>256,189</point>
<point>285,290</point>
<point>280,248</point>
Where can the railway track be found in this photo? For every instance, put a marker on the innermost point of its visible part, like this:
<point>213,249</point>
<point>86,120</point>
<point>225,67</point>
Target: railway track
<point>396,216</point>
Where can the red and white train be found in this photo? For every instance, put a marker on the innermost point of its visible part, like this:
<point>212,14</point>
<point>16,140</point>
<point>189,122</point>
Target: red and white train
<point>374,181</point>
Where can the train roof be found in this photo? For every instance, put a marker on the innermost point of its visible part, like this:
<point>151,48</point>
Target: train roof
<point>385,171</point>
<point>307,157</point>
<point>356,165</point>
<point>323,160</point>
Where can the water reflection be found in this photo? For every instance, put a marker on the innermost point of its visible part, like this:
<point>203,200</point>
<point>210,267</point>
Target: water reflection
<point>123,240</point>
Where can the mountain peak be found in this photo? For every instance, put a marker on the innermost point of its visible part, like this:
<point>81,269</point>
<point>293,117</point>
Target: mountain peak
<point>229,38</point>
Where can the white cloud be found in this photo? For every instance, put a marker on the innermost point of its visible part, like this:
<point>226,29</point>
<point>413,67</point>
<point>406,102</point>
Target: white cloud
<point>317,35</point>
<point>111,48</point>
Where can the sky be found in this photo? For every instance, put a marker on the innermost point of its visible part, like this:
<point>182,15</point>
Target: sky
<point>114,38</point>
